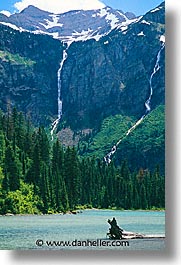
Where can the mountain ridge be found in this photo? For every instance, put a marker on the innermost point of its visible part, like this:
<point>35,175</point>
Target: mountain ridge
<point>87,23</point>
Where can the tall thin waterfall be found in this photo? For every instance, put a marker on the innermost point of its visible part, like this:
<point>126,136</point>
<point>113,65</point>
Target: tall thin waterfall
<point>108,157</point>
<point>59,99</point>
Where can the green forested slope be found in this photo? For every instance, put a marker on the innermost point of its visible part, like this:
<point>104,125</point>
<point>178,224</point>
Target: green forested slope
<point>37,175</point>
<point>144,147</point>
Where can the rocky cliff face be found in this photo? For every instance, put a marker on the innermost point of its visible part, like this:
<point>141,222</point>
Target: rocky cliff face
<point>98,79</point>
<point>112,75</point>
<point>28,73</point>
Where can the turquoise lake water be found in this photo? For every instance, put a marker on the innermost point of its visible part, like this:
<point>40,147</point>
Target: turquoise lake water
<point>22,232</point>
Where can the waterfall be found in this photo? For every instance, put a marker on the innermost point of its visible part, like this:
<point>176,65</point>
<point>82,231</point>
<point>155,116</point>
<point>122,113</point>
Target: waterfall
<point>155,70</point>
<point>107,158</point>
<point>59,99</point>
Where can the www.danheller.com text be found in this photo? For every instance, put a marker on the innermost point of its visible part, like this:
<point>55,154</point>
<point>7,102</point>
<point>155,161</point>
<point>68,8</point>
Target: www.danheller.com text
<point>82,243</point>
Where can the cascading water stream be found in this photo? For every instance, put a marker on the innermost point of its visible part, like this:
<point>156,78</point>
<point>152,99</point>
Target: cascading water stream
<point>107,158</point>
<point>59,99</point>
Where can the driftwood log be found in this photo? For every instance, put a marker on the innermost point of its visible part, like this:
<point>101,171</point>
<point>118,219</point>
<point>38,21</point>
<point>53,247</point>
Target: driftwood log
<point>116,233</point>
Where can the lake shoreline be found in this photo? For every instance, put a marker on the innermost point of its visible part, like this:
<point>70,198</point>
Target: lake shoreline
<point>79,211</point>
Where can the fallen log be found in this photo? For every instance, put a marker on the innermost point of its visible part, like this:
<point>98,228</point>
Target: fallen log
<point>132,235</point>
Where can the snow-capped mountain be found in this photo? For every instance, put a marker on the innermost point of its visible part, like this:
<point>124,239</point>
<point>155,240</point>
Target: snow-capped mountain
<point>69,26</point>
<point>75,88</point>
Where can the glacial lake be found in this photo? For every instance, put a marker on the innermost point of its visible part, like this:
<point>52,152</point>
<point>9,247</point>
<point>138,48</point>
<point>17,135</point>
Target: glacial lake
<point>22,232</point>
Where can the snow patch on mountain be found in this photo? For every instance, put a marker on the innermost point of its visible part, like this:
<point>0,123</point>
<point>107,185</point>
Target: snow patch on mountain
<point>155,10</point>
<point>114,20</point>
<point>162,38</point>
<point>81,36</point>
<point>145,22</point>
<point>12,26</point>
<point>124,25</point>
<point>141,34</point>
<point>54,35</point>
<point>123,15</point>
<point>6,13</point>
<point>109,17</point>
<point>51,24</point>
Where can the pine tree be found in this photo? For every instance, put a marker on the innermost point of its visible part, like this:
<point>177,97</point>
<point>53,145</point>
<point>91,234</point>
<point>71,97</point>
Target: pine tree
<point>5,183</point>
<point>21,131</point>
<point>85,182</point>
<point>42,141</point>
<point>148,189</point>
<point>44,187</point>
<point>125,173</point>
<point>57,157</point>
<point>52,187</point>
<point>72,176</point>
<point>12,170</point>
<point>29,139</point>
<point>136,198</point>
<point>57,185</point>
<point>64,196</point>
<point>143,199</point>
<point>1,179</point>
<point>130,195</point>
<point>34,173</point>
<point>9,123</point>
<point>2,147</point>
